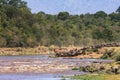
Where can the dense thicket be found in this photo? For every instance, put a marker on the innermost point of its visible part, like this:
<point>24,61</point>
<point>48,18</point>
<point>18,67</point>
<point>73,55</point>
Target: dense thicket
<point>20,28</point>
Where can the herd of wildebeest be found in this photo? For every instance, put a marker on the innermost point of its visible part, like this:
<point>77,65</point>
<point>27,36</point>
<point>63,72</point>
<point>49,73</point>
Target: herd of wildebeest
<point>82,51</point>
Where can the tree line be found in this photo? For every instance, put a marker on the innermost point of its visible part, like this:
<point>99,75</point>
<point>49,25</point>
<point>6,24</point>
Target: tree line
<point>21,28</point>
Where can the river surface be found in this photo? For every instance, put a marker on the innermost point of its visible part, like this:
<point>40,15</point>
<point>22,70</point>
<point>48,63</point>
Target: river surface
<point>49,68</point>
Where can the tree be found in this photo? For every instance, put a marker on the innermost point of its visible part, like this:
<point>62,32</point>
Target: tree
<point>114,17</point>
<point>20,28</point>
<point>108,34</point>
<point>3,2</point>
<point>63,15</point>
<point>17,3</point>
<point>101,14</point>
<point>118,10</point>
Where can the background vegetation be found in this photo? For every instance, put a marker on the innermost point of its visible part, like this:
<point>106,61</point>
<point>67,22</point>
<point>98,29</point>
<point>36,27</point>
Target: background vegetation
<point>21,28</point>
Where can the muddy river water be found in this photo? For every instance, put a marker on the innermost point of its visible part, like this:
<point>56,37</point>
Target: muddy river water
<point>41,67</point>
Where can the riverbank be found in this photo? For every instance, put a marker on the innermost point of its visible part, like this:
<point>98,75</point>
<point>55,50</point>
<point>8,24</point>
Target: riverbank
<point>33,51</point>
<point>24,51</point>
<point>96,77</point>
<point>50,50</point>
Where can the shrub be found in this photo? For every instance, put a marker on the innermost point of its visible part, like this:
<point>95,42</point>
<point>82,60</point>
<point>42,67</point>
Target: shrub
<point>108,54</point>
<point>89,68</point>
<point>75,68</point>
<point>118,58</point>
<point>95,50</point>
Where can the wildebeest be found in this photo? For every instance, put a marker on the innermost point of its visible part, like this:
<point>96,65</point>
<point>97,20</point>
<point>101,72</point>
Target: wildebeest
<point>76,52</point>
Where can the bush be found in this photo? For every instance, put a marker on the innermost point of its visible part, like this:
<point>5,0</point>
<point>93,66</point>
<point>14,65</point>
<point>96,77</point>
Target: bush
<point>118,62</point>
<point>108,54</point>
<point>118,58</point>
<point>75,68</point>
<point>81,68</point>
<point>90,68</point>
<point>95,50</point>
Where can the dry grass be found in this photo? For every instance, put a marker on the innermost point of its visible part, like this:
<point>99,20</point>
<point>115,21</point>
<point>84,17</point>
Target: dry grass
<point>33,51</point>
<point>50,50</point>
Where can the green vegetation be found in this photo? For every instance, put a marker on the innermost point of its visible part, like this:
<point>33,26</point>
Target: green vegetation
<point>75,68</point>
<point>63,78</point>
<point>21,28</point>
<point>96,77</point>
<point>104,68</point>
<point>111,54</point>
<point>90,68</point>
<point>108,54</point>
<point>118,58</point>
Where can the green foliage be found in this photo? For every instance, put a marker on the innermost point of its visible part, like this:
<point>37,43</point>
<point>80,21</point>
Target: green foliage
<point>89,68</point>
<point>95,50</point>
<point>111,54</point>
<point>95,77</point>
<point>63,78</point>
<point>20,28</point>
<point>108,54</point>
<point>75,68</point>
<point>100,14</point>
<point>87,77</point>
<point>118,10</point>
<point>118,58</point>
<point>63,15</point>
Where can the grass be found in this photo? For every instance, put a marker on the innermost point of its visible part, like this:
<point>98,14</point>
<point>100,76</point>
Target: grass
<point>96,77</point>
<point>24,51</point>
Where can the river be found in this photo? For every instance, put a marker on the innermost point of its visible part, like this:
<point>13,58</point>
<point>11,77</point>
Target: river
<point>41,67</point>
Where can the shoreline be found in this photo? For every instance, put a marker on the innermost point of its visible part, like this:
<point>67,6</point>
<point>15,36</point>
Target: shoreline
<point>42,50</point>
<point>33,51</point>
<point>41,65</point>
